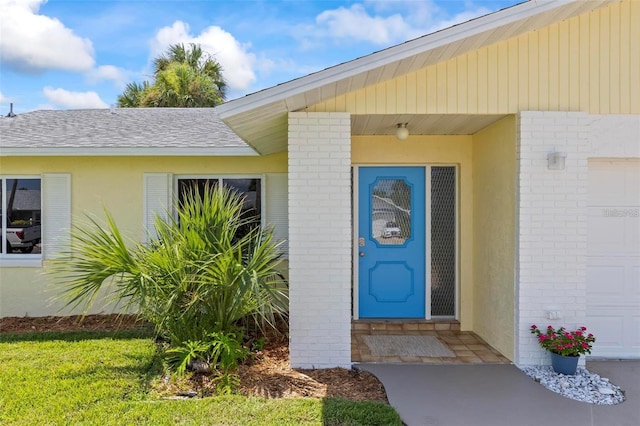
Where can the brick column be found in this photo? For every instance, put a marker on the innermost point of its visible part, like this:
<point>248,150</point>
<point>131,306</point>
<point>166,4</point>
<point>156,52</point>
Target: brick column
<point>320,230</point>
<point>552,219</point>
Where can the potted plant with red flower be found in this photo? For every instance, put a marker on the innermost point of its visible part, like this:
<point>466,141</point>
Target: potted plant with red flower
<point>565,346</point>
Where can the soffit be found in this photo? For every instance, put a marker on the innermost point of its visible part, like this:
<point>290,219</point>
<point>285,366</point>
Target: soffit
<point>432,124</point>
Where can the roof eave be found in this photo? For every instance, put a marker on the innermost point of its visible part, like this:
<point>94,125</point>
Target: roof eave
<point>126,152</point>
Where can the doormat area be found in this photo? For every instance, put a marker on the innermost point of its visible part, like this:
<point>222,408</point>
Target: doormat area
<point>390,345</point>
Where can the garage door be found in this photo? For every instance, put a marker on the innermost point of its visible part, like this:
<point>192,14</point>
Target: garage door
<point>613,263</point>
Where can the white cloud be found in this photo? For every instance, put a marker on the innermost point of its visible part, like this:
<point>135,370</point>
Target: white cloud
<point>430,15</point>
<point>382,23</point>
<point>458,18</point>
<point>355,23</point>
<point>119,76</point>
<point>33,43</point>
<point>265,65</point>
<point>237,61</point>
<point>4,99</point>
<point>73,100</point>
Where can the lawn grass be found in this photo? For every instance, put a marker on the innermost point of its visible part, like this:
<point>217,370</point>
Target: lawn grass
<point>104,378</point>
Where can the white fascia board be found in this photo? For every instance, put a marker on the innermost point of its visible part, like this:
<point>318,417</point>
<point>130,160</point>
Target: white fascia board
<point>127,152</point>
<point>396,53</point>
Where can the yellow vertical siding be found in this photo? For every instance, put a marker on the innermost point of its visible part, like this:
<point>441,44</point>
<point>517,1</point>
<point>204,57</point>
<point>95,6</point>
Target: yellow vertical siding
<point>432,90</point>
<point>588,63</point>
<point>614,61</point>
<point>420,79</point>
<point>544,72</point>
<point>624,66</point>
<point>633,52</point>
<point>472,90</point>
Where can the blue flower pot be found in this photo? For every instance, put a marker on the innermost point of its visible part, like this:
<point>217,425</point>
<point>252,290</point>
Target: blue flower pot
<point>566,365</point>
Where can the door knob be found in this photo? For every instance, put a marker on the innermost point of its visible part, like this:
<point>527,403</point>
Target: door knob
<point>361,254</point>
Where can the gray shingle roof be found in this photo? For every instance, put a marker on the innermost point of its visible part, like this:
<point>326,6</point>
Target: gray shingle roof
<point>128,131</point>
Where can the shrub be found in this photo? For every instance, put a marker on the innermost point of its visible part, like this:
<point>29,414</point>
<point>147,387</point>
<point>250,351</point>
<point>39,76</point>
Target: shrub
<point>205,272</point>
<point>222,351</point>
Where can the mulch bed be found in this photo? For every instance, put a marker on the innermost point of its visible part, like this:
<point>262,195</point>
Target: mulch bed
<point>70,323</point>
<point>269,375</point>
<point>266,373</point>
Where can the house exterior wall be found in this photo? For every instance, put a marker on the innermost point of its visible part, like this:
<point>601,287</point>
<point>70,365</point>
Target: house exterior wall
<point>114,184</point>
<point>494,227</point>
<point>433,150</point>
<point>320,239</point>
<point>614,136</point>
<point>587,63</point>
<point>552,226</point>
<point>561,82</point>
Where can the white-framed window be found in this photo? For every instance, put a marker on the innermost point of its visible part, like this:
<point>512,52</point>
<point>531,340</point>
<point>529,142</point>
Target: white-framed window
<point>35,218</point>
<point>21,216</point>
<point>249,186</point>
<point>266,195</point>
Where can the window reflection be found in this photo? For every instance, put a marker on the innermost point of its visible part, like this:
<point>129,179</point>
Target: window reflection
<point>21,215</point>
<point>391,211</point>
<point>249,188</point>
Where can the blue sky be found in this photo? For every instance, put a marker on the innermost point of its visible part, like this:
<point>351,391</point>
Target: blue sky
<point>65,54</point>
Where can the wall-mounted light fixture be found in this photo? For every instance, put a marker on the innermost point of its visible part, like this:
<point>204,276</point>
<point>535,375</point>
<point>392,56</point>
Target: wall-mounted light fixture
<point>402,133</point>
<point>556,160</point>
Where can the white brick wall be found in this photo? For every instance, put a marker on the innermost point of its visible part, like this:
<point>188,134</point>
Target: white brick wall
<point>552,220</point>
<point>320,239</point>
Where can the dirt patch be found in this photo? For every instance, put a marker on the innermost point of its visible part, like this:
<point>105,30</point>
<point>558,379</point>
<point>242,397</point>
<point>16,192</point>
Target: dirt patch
<point>70,323</point>
<point>266,373</point>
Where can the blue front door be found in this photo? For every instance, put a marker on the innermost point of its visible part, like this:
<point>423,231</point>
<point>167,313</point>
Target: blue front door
<point>391,242</point>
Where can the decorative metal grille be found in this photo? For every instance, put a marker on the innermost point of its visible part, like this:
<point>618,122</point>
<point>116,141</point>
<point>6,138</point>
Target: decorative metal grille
<point>443,241</point>
<point>391,211</point>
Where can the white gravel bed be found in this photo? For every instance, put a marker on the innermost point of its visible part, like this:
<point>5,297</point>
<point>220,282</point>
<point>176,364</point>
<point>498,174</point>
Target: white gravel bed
<point>584,386</point>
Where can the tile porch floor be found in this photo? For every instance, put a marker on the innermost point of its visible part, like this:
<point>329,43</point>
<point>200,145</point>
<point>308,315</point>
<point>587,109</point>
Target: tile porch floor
<point>468,348</point>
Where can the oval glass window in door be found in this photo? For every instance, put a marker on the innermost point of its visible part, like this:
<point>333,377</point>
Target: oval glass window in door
<point>391,211</point>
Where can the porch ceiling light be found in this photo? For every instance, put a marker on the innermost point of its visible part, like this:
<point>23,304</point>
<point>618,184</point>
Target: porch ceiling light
<point>402,133</point>
<point>556,160</point>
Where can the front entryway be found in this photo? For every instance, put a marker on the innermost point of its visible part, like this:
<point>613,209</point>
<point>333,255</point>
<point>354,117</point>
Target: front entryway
<point>406,242</point>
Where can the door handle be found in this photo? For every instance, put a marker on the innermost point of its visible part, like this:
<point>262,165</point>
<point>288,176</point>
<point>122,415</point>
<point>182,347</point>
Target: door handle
<point>361,254</point>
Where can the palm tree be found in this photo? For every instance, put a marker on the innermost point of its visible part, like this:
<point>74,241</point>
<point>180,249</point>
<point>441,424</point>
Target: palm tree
<point>199,61</point>
<point>184,77</point>
<point>179,85</point>
<point>133,95</point>
<point>200,275</point>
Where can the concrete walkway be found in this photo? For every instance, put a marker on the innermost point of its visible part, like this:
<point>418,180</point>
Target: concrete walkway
<point>496,395</point>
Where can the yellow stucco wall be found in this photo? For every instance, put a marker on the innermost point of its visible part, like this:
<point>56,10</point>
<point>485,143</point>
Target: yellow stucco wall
<point>112,183</point>
<point>494,222</point>
<point>587,63</point>
<point>433,150</point>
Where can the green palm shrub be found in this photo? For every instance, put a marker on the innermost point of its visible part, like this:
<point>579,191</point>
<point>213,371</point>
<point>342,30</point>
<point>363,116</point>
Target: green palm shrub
<point>221,350</point>
<point>210,269</point>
